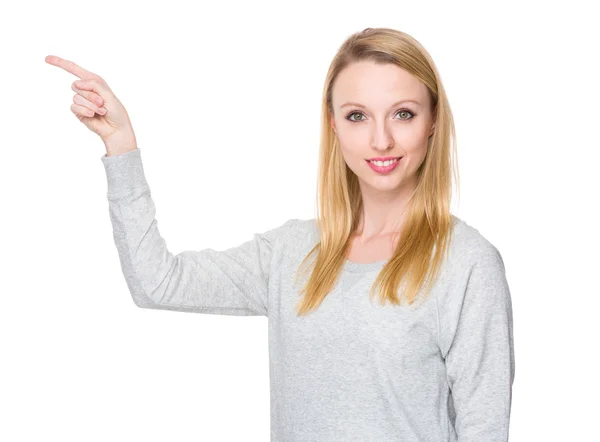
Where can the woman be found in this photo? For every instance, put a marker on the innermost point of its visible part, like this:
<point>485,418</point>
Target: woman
<point>343,366</point>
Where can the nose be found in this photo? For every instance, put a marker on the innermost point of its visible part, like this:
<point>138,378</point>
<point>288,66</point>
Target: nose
<point>382,138</point>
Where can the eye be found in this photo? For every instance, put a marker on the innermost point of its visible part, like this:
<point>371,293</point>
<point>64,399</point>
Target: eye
<point>401,111</point>
<point>349,117</point>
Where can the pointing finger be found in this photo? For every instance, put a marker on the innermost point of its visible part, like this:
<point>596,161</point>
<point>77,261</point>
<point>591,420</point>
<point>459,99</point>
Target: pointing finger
<point>69,66</point>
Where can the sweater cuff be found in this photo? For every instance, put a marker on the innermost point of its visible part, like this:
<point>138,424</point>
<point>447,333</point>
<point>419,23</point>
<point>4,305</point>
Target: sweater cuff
<point>124,174</point>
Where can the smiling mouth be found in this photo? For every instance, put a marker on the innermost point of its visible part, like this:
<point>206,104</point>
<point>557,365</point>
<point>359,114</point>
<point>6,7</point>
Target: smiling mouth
<point>389,160</point>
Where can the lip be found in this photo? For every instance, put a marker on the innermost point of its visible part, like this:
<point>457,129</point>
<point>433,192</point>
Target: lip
<point>384,169</point>
<point>382,158</point>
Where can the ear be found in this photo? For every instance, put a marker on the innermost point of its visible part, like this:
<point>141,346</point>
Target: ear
<point>333,124</point>
<point>433,122</point>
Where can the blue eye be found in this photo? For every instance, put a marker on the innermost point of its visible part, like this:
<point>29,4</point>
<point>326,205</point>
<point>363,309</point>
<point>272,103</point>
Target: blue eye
<point>348,117</point>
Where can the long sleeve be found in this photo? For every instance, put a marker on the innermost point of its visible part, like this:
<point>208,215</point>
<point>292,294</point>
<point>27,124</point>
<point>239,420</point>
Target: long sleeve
<point>230,282</point>
<point>476,335</point>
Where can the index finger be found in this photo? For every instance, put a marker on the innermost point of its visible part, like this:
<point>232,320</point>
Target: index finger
<point>69,66</point>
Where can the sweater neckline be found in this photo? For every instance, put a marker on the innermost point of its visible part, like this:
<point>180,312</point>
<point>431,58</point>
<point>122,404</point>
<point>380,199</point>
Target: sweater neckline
<point>358,267</point>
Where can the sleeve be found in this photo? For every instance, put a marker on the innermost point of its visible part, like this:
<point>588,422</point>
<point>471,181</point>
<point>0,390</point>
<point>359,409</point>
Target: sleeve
<point>476,340</point>
<point>229,282</point>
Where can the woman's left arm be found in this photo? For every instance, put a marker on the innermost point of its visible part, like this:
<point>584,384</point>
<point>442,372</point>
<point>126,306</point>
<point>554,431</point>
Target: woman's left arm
<point>479,351</point>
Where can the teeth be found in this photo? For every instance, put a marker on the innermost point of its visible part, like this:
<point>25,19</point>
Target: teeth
<point>383,163</point>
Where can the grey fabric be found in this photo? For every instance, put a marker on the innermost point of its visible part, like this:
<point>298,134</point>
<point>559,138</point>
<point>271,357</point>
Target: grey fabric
<point>353,370</point>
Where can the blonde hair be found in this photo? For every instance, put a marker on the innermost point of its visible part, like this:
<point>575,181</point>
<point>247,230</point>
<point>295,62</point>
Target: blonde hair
<point>428,222</point>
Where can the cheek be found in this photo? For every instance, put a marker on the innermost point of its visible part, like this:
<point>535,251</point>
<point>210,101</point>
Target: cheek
<point>412,138</point>
<point>353,153</point>
<point>350,147</point>
<point>354,143</point>
<point>417,148</point>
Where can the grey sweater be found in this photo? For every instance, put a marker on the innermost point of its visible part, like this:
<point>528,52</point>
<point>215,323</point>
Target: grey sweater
<point>352,370</point>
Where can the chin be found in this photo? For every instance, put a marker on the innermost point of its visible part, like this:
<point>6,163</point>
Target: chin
<point>383,183</point>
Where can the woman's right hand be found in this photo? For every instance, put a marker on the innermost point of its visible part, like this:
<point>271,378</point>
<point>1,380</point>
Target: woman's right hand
<point>96,106</point>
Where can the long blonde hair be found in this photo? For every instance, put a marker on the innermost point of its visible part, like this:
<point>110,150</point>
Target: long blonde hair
<point>428,221</point>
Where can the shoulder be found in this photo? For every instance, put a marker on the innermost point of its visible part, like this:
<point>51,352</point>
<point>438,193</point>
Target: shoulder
<point>291,230</point>
<point>301,227</point>
<point>474,281</point>
<point>469,247</point>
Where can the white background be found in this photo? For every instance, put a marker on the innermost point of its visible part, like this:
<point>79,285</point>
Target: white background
<point>224,100</point>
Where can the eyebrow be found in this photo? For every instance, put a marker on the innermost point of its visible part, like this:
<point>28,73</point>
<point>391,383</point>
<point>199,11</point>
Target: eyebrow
<point>393,105</point>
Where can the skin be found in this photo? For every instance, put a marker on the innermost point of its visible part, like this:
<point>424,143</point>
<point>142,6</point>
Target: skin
<point>96,106</point>
<point>381,129</point>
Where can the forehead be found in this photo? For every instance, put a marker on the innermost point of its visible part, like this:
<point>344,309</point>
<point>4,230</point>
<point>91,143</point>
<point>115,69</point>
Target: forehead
<point>370,83</point>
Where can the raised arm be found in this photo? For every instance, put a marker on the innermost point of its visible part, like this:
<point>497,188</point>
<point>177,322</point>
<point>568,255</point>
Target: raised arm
<point>230,282</point>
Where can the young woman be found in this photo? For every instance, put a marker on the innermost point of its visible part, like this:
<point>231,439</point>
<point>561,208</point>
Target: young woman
<point>430,357</point>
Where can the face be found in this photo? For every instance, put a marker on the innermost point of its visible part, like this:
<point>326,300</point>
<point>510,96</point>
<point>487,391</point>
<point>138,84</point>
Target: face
<point>378,124</point>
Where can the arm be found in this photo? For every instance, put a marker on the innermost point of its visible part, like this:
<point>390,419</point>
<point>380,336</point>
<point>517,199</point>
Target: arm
<point>477,344</point>
<point>230,282</point>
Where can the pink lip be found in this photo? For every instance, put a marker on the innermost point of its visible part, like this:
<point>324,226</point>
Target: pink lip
<point>384,169</point>
<point>382,158</point>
